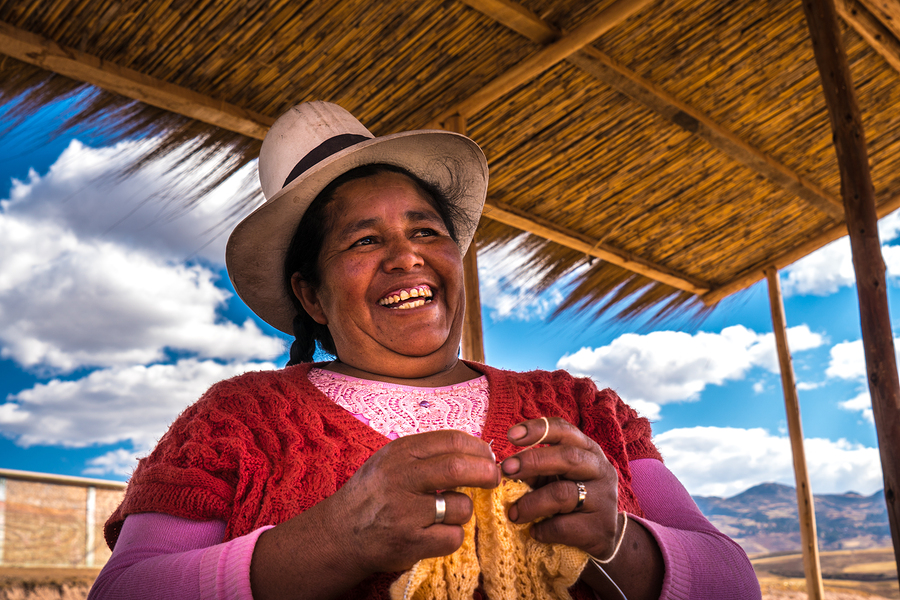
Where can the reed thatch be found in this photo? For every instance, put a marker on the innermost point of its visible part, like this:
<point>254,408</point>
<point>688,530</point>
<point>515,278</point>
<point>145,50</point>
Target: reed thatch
<point>568,150</point>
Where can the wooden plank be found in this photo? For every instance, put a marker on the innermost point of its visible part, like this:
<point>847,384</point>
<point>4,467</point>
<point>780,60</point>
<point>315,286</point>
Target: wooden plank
<point>811,564</point>
<point>757,272</point>
<point>868,264</point>
<point>882,39</point>
<point>887,11</point>
<point>541,227</point>
<point>472,347</point>
<point>49,55</point>
<point>606,70</point>
<point>546,58</point>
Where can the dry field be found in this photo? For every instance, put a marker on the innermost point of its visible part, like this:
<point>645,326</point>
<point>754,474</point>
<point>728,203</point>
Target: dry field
<point>848,575</point>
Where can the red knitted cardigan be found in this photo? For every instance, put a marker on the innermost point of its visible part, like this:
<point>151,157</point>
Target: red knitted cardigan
<point>262,447</point>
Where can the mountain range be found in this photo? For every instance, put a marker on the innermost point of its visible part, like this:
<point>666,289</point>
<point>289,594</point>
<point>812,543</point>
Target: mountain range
<point>764,519</point>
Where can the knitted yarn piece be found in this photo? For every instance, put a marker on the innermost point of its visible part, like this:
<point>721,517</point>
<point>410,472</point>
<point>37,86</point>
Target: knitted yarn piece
<point>513,565</point>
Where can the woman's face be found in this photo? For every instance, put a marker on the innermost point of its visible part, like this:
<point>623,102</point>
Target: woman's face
<point>391,289</point>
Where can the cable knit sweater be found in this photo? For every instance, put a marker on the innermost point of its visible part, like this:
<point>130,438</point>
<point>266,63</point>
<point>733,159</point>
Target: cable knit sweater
<point>262,447</point>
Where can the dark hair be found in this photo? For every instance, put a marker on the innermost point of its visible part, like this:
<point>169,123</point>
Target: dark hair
<point>303,253</point>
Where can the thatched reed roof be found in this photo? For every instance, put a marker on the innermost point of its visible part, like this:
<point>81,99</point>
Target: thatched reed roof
<point>680,153</point>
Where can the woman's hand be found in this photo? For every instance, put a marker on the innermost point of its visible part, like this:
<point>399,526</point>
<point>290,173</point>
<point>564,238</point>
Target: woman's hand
<point>389,506</point>
<point>553,471</point>
<point>382,519</point>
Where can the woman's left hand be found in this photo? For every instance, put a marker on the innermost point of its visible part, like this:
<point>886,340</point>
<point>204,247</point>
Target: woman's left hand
<point>553,472</point>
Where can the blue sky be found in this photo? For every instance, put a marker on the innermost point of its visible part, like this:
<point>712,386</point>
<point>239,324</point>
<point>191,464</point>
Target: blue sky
<point>116,313</point>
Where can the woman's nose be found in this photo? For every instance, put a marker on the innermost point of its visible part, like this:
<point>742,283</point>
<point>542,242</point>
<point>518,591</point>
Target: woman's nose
<point>402,255</point>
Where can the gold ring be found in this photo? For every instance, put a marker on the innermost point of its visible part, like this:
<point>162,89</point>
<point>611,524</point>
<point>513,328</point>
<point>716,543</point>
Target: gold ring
<point>582,494</point>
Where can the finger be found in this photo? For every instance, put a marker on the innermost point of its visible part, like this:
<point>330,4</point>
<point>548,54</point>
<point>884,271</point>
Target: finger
<point>567,461</point>
<point>458,509</point>
<point>445,441</point>
<point>448,471</point>
<point>551,431</point>
<point>579,530</point>
<point>557,497</point>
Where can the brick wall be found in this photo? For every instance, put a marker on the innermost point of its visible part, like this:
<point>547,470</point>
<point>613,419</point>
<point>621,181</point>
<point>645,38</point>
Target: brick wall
<point>54,521</point>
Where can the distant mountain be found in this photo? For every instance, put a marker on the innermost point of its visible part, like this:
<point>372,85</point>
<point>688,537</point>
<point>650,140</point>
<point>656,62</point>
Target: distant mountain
<point>763,519</point>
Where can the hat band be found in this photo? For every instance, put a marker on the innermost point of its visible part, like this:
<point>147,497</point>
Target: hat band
<point>323,151</point>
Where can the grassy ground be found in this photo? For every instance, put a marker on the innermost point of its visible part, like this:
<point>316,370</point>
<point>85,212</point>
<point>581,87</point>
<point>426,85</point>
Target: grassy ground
<point>847,575</point>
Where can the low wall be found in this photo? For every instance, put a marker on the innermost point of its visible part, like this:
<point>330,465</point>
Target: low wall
<point>54,521</point>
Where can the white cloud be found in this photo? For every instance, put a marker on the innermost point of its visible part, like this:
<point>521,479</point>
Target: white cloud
<point>67,303</point>
<point>672,366</point>
<point>861,404</point>
<point>808,385</point>
<point>133,404</point>
<point>830,268</point>
<point>747,457</point>
<point>83,193</point>
<point>116,462</point>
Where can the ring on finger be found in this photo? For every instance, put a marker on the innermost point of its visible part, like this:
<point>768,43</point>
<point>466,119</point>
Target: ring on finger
<point>582,494</point>
<point>440,508</point>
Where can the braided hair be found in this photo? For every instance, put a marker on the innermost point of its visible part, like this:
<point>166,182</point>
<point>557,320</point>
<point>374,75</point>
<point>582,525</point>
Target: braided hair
<point>303,253</point>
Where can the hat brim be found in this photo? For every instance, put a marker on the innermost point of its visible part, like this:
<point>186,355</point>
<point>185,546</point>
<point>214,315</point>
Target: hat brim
<point>256,249</point>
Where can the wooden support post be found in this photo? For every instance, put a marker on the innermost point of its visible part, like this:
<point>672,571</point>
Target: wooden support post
<point>472,334</point>
<point>859,205</point>
<point>806,509</point>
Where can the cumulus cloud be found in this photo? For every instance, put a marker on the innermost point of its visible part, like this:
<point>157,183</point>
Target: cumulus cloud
<point>848,362</point>
<point>134,404</point>
<point>672,366</point>
<point>84,194</point>
<point>747,457</point>
<point>861,404</point>
<point>67,303</point>
<point>830,268</point>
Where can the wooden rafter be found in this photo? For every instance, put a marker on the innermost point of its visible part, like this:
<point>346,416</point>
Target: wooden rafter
<point>605,69</point>
<point>757,272</point>
<point>49,55</point>
<point>546,58</point>
<point>513,217</point>
<point>866,23</point>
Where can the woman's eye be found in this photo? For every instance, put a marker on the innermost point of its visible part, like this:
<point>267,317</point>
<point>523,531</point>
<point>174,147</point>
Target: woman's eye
<point>426,232</point>
<point>364,241</point>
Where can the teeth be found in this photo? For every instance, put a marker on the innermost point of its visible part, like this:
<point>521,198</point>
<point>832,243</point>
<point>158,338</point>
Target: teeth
<point>414,304</point>
<point>422,291</point>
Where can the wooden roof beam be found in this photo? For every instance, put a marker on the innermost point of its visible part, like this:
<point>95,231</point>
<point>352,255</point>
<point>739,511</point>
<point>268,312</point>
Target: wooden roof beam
<point>47,54</point>
<point>519,219</point>
<point>606,70</point>
<point>882,39</point>
<point>546,58</point>
<point>757,272</point>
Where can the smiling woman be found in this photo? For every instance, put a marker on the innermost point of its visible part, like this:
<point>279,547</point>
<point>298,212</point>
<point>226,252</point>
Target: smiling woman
<point>397,469</point>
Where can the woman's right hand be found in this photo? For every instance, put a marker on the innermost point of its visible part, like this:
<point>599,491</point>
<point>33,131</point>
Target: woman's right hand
<point>381,520</point>
<point>389,505</point>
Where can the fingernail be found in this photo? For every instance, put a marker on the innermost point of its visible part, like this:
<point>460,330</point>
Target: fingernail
<point>517,432</point>
<point>513,513</point>
<point>511,465</point>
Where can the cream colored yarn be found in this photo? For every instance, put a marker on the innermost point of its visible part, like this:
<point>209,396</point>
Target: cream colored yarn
<point>514,566</point>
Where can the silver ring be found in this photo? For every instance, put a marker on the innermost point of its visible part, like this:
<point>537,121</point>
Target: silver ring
<point>440,508</point>
<point>582,494</point>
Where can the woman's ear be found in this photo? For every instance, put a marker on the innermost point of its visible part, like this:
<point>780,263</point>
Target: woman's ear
<point>308,298</point>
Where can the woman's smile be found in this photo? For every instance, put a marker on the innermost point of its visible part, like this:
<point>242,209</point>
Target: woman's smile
<point>407,298</point>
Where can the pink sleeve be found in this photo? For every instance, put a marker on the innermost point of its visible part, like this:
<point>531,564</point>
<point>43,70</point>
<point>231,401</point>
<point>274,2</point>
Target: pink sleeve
<point>170,558</point>
<point>701,562</point>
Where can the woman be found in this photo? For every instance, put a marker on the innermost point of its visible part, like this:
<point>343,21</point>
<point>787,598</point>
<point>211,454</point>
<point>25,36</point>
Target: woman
<point>329,480</point>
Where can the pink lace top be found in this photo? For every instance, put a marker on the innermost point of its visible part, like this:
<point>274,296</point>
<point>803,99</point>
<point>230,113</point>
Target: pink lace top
<point>397,410</point>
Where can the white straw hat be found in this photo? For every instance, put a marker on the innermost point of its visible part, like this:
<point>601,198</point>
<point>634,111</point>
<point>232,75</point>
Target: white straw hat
<point>306,149</point>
